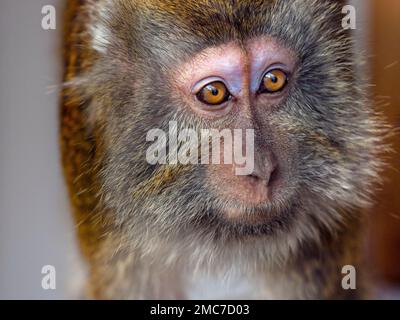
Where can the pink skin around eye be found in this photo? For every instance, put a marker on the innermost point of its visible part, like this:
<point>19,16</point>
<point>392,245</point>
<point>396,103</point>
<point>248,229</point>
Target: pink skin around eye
<point>265,53</point>
<point>239,66</point>
<point>212,64</point>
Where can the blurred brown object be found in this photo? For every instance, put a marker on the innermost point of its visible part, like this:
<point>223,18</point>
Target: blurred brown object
<point>385,68</point>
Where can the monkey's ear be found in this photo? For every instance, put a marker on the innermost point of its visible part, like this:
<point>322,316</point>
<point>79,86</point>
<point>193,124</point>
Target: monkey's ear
<point>86,25</point>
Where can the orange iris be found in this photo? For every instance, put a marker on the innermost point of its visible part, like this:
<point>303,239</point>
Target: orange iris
<point>214,93</point>
<point>274,81</point>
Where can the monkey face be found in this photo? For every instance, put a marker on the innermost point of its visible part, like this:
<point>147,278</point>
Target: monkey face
<point>280,68</point>
<point>250,80</point>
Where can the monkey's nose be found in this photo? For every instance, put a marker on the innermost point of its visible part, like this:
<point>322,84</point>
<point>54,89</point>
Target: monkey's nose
<point>252,189</point>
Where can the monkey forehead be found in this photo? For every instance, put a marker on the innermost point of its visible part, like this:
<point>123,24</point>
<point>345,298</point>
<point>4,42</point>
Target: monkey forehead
<point>235,62</point>
<point>265,51</point>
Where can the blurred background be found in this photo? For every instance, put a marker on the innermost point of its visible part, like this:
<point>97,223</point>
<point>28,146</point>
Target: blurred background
<point>383,42</point>
<point>36,228</point>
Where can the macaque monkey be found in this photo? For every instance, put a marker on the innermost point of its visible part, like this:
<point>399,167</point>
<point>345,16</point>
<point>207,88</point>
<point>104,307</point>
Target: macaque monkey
<point>282,68</point>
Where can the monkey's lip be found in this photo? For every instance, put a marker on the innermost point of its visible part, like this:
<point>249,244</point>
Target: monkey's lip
<point>250,215</point>
<point>252,190</point>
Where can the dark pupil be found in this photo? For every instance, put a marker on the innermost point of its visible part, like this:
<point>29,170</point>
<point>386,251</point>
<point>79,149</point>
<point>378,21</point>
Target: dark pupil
<point>273,78</point>
<point>214,90</point>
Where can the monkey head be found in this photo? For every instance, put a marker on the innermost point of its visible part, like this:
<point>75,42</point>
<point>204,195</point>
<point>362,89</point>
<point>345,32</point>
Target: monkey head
<point>282,69</point>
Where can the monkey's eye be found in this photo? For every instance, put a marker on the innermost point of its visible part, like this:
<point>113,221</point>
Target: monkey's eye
<point>214,93</point>
<point>273,81</point>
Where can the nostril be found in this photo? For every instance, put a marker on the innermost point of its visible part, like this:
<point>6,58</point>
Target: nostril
<point>253,175</point>
<point>273,176</point>
<point>268,177</point>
